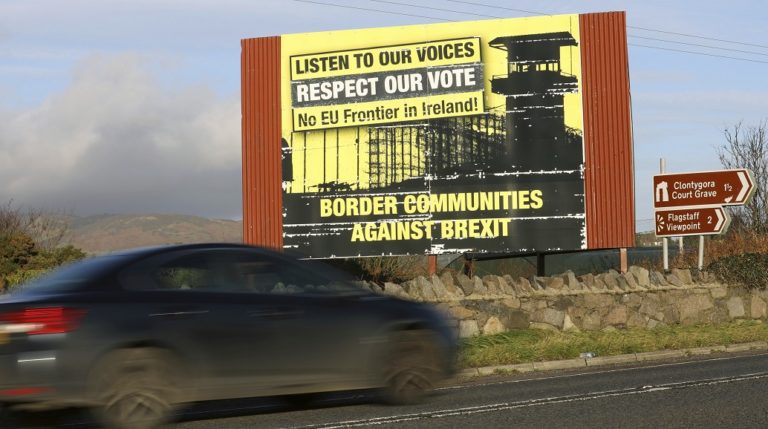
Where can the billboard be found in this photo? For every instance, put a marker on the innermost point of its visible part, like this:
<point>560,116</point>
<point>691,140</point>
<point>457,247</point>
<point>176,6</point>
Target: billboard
<point>429,139</point>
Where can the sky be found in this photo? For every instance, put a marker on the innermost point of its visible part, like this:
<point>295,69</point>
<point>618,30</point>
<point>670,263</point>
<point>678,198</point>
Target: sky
<point>133,106</point>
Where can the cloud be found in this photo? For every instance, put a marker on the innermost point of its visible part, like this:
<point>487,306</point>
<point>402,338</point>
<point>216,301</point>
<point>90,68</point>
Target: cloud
<point>116,140</point>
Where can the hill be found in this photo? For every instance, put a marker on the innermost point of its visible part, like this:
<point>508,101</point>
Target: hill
<point>109,232</point>
<point>105,233</point>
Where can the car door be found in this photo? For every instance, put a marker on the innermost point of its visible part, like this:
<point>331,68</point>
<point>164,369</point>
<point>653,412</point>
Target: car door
<point>319,337</point>
<point>192,305</point>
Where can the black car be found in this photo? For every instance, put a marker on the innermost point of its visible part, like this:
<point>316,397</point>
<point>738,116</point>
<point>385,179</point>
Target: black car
<point>133,335</point>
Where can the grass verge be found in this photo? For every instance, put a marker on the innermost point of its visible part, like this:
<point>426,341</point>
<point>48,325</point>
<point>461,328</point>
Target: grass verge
<point>533,345</point>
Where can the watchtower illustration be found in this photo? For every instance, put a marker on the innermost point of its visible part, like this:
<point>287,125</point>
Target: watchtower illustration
<point>535,87</point>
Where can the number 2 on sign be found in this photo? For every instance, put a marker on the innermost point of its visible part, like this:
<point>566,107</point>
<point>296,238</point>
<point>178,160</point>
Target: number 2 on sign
<point>709,220</point>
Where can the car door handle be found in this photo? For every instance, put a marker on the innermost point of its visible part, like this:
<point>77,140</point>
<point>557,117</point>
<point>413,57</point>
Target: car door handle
<point>180,312</point>
<point>276,313</point>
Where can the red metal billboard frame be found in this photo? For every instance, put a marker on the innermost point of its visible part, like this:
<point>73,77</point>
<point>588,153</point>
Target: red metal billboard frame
<point>609,170</point>
<point>262,176</point>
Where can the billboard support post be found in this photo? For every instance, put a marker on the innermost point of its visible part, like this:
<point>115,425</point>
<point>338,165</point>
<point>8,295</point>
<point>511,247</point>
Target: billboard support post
<point>541,269</point>
<point>623,260</point>
<point>701,252</point>
<point>431,264</point>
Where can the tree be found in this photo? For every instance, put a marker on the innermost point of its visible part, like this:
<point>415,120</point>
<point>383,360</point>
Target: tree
<point>16,251</point>
<point>747,147</point>
<point>30,244</point>
<point>47,229</point>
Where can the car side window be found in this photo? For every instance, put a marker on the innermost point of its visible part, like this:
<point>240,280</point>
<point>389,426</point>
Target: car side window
<point>191,271</point>
<point>183,277</point>
<point>230,270</point>
<point>262,274</point>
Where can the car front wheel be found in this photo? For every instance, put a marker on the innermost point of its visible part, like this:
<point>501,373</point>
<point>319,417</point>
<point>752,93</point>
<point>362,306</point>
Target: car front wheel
<point>411,367</point>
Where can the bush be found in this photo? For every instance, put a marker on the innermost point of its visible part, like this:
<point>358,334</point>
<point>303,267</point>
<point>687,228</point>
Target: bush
<point>380,269</point>
<point>22,276</point>
<point>734,242</point>
<point>748,269</point>
<point>29,263</point>
<point>30,245</point>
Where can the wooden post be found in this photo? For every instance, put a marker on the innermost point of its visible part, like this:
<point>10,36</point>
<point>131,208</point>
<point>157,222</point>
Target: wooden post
<point>623,260</point>
<point>431,264</point>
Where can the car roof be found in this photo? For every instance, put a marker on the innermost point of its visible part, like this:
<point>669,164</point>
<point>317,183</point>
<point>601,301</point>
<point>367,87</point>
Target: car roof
<point>316,264</point>
<point>151,250</point>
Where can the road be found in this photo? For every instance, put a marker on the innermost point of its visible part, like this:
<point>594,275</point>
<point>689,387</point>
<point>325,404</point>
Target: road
<point>717,392</point>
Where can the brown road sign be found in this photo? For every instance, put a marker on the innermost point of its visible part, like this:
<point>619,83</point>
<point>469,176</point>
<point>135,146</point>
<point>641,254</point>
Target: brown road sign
<point>706,188</point>
<point>691,221</point>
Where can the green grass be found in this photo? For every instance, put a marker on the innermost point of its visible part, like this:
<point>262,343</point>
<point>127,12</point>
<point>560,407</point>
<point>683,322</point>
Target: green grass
<point>532,345</point>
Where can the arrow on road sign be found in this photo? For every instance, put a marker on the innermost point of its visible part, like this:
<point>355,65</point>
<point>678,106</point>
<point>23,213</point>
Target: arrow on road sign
<point>746,186</point>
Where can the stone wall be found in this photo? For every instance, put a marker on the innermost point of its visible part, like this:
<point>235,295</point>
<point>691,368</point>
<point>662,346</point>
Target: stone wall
<point>638,298</point>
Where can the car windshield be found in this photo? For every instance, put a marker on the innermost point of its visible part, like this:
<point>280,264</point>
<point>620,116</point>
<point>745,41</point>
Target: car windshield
<point>71,276</point>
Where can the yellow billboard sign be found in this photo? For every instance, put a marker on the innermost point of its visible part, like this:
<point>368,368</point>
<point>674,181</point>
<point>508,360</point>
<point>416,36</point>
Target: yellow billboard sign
<point>433,138</point>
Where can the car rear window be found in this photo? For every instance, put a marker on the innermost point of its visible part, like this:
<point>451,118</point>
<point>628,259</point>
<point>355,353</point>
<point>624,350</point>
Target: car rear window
<point>73,276</point>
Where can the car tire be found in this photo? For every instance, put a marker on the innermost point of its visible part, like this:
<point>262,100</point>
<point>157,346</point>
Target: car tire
<point>411,368</point>
<point>135,388</point>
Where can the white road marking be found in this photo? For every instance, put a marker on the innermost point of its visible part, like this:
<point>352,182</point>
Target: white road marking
<point>503,406</point>
<point>597,371</point>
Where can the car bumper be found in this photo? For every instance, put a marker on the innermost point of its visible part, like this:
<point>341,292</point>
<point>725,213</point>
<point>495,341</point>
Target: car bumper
<point>34,373</point>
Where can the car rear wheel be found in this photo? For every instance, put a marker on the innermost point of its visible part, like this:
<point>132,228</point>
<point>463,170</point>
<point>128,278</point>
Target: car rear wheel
<point>135,388</point>
<point>411,368</point>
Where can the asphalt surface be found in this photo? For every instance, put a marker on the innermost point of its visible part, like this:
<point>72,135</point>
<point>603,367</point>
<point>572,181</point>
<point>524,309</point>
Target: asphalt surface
<point>716,391</point>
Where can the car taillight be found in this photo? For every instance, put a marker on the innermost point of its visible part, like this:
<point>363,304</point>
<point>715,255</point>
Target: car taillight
<point>42,320</point>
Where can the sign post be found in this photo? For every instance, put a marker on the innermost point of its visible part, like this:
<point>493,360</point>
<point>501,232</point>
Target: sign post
<point>692,203</point>
<point>665,241</point>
